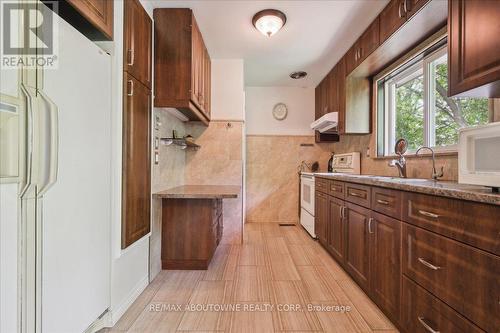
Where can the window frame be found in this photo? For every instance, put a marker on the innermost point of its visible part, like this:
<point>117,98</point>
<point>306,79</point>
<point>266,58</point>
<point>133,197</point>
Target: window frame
<point>427,52</point>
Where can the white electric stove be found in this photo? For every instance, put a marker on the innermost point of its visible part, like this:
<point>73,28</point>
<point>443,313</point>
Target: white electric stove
<point>342,163</point>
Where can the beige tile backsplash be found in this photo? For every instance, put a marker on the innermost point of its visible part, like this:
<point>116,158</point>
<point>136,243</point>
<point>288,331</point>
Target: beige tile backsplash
<point>273,183</point>
<point>219,161</point>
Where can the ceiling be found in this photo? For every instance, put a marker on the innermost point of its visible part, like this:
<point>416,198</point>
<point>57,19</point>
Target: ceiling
<point>316,35</point>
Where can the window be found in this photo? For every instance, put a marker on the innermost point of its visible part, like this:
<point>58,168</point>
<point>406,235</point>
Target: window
<point>412,103</point>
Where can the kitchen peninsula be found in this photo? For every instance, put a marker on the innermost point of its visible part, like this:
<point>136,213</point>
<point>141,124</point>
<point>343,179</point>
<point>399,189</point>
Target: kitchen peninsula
<point>192,224</point>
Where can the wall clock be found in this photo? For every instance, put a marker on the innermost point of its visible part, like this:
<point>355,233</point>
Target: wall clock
<point>280,111</point>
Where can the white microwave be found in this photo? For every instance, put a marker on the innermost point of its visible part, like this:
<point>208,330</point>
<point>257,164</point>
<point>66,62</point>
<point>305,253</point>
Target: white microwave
<point>479,155</point>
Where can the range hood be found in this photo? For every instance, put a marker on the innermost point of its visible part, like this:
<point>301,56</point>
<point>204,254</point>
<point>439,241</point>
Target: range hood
<point>327,123</point>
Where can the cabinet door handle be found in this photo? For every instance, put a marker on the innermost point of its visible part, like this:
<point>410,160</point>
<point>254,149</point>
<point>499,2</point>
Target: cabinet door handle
<point>130,92</point>
<point>405,6</point>
<point>383,202</point>
<point>428,264</point>
<point>131,57</point>
<point>399,10</point>
<point>421,320</point>
<point>428,214</point>
<point>341,212</point>
<point>370,225</point>
<point>360,53</point>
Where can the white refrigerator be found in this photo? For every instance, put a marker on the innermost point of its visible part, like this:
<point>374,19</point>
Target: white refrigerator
<point>55,190</point>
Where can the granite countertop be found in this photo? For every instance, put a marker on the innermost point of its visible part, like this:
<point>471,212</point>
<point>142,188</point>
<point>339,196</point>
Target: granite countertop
<point>200,192</point>
<point>426,186</point>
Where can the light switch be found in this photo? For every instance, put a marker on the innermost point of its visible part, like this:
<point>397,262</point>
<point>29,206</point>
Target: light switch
<point>157,122</point>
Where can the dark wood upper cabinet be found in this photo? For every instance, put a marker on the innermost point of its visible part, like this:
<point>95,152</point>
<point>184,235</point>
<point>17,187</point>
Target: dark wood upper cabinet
<point>136,160</point>
<point>182,64</point>
<point>357,254</point>
<point>137,42</point>
<point>473,48</point>
<point>413,6</point>
<point>391,19</point>
<point>369,41</point>
<point>93,18</point>
<point>385,262</point>
<point>330,94</point>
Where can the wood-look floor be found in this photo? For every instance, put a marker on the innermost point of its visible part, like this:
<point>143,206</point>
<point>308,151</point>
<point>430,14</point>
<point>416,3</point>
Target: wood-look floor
<point>274,266</point>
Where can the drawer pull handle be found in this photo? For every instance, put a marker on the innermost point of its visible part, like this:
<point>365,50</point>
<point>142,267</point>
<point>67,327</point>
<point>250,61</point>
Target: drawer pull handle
<point>428,264</point>
<point>428,214</point>
<point>334,189</point>
<point>354,194</point>
<point>426,326</point>
<point>383,202</point>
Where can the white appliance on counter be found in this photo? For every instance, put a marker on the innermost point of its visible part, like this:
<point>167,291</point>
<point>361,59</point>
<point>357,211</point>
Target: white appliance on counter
<point>327,123</point>
<point>55,211</point>
<point>479,155</point>
<point>342,163</point>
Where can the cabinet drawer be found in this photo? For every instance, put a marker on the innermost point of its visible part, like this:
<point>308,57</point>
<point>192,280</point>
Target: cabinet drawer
<point>473,223</point>
<point>422,312</point>
<point>358,194</point>
<point>336,189</point>
<point>387,202</point>
<point>321,184</point>
<point>465,278</point>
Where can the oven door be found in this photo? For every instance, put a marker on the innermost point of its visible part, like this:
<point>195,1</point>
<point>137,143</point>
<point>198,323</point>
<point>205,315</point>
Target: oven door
<point>307,193</point>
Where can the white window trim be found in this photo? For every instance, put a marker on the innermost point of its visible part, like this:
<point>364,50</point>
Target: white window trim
<point>429,104</point>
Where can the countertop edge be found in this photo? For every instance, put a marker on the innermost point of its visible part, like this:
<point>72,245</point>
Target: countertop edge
<point>461,194</point>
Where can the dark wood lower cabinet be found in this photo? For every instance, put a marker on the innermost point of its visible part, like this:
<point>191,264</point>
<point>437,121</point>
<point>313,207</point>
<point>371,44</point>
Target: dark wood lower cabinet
<point>422,312</point>
<point>435,270</point>
<point>466,278</point>
<point>321,217</point>
<point>336,228</point>
<point>357,253</point>
<point>191,231</point>
<point>136,160</point>
<point>385,262</point>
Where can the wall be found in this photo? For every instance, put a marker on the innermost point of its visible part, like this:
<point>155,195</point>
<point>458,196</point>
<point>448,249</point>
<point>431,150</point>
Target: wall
<point>228,98</point>
<point>272,175</point>
<point>168,173</point>
<point>220,159</point>
<point>274,151</point>
<point>259,105</point>
<point>417,167</point>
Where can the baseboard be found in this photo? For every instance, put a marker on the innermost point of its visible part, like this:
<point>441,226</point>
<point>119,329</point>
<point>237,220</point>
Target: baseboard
<point>116,314</point>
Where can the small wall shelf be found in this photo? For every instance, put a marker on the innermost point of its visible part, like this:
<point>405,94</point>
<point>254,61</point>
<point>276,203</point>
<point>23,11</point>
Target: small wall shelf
<point>181,142</point>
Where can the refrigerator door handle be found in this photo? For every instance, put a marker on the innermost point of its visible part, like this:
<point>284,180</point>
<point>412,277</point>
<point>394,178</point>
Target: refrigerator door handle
<point>27,178</point>
<point>49,149</point>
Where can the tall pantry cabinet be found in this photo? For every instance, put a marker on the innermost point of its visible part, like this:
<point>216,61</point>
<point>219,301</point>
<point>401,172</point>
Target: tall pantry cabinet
<point>136,138</point>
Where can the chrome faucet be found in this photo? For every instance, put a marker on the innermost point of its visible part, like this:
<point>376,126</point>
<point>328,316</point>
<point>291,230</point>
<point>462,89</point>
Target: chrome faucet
<point>435,174</point>
<point>400,163</point>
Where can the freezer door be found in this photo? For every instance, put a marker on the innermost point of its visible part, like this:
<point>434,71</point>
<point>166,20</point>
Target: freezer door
<point>75,210</point>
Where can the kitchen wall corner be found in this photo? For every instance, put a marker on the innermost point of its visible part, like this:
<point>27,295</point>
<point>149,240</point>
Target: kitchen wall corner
<point>168,173</point>
<point>219,161</point>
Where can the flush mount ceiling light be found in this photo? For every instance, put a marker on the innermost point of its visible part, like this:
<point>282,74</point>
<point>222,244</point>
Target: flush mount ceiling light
<point>269,21</point>
<point>298,75</point>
